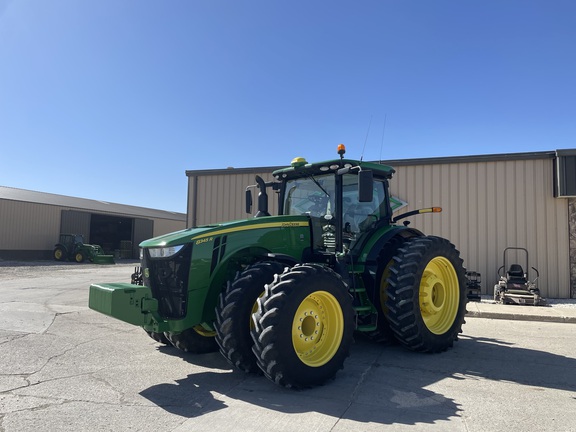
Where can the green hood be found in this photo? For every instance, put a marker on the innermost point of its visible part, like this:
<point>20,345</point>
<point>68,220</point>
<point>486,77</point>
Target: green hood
<point>193,234</point>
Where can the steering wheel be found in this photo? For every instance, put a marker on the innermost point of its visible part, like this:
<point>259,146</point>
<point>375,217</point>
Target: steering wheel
<point>317,198</point>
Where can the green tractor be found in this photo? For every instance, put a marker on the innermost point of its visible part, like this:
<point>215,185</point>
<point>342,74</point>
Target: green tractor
<point>283,295</point>
<point>71,247</point>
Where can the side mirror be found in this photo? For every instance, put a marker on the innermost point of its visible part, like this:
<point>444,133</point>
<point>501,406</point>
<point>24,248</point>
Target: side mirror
<point>248,201</point>
<point>365,186</point>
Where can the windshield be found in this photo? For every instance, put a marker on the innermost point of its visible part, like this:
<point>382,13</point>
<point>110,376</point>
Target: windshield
<point>315,196</point>
<point>312,196</point>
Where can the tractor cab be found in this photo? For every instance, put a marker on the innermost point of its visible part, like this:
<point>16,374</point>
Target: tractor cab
<point>71,240</point>
<point>344,199</point>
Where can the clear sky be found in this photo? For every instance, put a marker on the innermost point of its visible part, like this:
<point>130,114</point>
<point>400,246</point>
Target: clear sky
<point>115,99</point>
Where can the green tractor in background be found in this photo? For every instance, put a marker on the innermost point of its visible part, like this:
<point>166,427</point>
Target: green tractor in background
<point>283,295</point>
<point>71,247</point>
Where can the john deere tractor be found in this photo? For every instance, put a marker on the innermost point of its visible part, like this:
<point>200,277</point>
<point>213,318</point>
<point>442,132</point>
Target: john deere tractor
<point>71,247</point>
<point>284,295</point>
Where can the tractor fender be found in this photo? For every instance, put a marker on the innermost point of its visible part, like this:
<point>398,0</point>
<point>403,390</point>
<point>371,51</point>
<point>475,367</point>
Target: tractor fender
<point>60,245</point>
<point>372,249</point>
<point>228,268</point>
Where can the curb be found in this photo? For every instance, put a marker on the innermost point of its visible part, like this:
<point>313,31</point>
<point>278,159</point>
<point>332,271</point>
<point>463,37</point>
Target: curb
<point>521,317</point>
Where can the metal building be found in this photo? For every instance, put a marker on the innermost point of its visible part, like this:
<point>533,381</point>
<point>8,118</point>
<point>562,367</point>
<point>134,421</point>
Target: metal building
<point>31,223</point>
<point>489,203</point>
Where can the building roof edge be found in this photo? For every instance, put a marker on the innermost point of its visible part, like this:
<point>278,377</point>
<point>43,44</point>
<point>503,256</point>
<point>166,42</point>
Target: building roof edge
<point>398,162</point>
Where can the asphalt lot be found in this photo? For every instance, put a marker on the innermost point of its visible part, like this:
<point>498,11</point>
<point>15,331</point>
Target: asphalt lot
<point>68,368</point>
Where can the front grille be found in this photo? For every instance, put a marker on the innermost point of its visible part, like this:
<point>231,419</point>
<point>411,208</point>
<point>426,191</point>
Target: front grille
<point>168,281</point>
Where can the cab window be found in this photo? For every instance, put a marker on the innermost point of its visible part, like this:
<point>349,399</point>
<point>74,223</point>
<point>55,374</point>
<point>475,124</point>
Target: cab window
<point>361,216</point>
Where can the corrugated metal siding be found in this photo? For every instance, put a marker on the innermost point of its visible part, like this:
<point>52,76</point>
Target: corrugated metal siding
<point>163,226</point>
<point>28,226</point>
<point>75,222</point>
<point>221,197</point>
<point>143,229</point>
<point>33,226</point>
<point>490,206</point>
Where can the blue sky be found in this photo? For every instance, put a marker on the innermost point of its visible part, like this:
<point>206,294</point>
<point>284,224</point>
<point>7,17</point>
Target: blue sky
<point>115,99</point>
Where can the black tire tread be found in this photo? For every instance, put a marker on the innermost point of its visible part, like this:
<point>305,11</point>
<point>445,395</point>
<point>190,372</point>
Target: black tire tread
<point>270,347</point>
<point>159,337</point>
<point>192,342</point>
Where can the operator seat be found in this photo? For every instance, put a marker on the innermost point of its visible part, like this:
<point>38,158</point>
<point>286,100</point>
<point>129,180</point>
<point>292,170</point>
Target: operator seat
<point>515,274</point>
<point>359,216</point>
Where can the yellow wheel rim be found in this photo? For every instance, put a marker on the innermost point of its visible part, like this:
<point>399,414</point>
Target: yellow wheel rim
<point>58,254</point>
<point>203,332</point>
<point>384,286</point>
<point>254,310</point>
<point>439,295</point>
<point>318,328</point>
<point>79,257</point>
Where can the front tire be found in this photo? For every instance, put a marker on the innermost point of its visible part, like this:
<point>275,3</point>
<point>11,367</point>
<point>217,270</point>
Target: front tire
<point>234,313</point>
<point>304,326</point>
<point>427,294</point>
<point>194,340</point>
<point>158,337</point>
<point>497,294</point>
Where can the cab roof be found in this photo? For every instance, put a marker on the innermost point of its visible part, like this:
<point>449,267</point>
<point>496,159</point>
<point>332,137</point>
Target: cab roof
<point>305,169</point>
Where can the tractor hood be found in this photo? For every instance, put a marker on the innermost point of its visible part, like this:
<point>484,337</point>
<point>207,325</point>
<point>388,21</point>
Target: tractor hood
<point>192,234</point>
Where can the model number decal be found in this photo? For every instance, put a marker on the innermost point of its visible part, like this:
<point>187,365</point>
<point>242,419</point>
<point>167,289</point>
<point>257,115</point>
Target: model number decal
<point>204,240</point>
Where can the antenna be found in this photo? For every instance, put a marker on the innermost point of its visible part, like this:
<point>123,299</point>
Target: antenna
<point>383,130</point>
<point>366,139</point>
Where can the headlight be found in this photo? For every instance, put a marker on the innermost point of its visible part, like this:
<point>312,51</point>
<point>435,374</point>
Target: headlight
<point>164,252</point>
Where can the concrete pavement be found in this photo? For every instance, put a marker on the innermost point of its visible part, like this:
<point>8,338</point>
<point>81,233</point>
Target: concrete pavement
<point>68,368</point>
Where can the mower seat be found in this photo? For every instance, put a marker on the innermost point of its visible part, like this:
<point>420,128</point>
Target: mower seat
<point>515,274</point>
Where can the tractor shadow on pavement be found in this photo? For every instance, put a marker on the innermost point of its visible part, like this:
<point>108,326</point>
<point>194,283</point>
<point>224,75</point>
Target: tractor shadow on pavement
<point>379,384</point>
<point>498,360</point>
<point>363,391</point>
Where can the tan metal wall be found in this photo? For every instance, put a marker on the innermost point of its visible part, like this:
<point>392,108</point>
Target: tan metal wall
<point>28,226</point>
<point>487,206</point>
<point>221,197</point>
<point>32,226</point>
<point>165,226</point>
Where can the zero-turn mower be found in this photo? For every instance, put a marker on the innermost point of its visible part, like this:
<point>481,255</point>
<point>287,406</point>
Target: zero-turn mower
<point>514,287</point>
